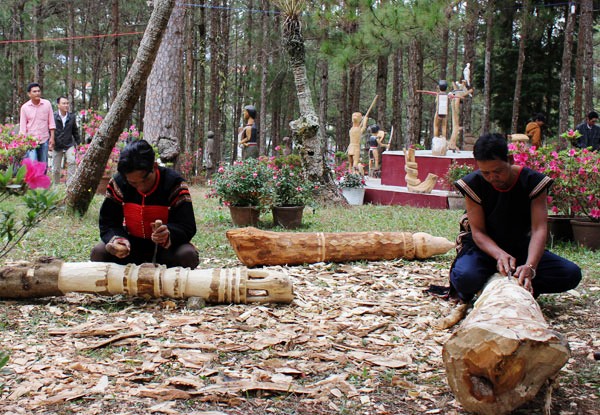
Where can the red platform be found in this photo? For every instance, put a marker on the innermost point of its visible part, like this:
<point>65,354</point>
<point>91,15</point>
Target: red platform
<point>391,189</point>
<point>393,163</point>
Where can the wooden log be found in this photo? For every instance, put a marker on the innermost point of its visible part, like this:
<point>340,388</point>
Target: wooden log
<point>503,352</point>
<point>256,247</point>
<point>219,285</point>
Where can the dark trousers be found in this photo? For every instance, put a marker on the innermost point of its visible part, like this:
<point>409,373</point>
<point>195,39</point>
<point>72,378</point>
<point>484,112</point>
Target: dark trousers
<point>185,255</point>
<point>473,268</point>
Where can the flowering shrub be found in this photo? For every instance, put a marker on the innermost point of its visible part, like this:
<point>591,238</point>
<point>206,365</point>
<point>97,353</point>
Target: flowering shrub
<point>351,180</point>
<point>290,187</point>
<point>90,127</point>
<point>576,188</point>
<point>243,183</point>
<point>455,172</point>
<point>13,146</point>
<point>30,183</point>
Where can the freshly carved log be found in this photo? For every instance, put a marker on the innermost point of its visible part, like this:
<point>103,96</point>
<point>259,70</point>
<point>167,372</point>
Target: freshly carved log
<point>413,183</point>
<point>231,285</point>
<point>503,352</point>
<point>255,247</point>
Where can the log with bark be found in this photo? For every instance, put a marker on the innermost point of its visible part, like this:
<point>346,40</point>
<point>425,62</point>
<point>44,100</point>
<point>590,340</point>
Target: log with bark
<point>255,247</point>
<point>226,285</point>
<point>504,351</point>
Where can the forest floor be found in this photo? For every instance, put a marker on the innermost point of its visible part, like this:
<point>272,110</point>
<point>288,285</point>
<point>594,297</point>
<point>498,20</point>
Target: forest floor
<point>357,339</point>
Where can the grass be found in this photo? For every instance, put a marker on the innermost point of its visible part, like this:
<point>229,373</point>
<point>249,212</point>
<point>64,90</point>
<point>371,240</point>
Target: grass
<point>70,237</point>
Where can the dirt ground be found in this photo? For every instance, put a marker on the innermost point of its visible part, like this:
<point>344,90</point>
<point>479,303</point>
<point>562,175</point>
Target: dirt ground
<point>357,339</point>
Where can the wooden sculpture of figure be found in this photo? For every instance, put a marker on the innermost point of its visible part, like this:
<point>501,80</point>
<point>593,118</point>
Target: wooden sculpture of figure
<point>439,142</point>
<point>412,175</point>
<point>456,97</point>
<point>248,134</point>
<point>210,153</point>
<point>359,125</point>
<point>375,144</point>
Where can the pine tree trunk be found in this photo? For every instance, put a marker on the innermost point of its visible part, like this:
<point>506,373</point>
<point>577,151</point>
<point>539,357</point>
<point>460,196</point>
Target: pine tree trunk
<point>520,63</point>
<point>81,189</point>
<point>71,54</point>
<point>473,9</point>
<point>263,59</point>
<point>586,25</point>
<point>415,102</point>
<point>162,120</point>
<point>487,70</point>
<point>565,73</point>
<point>114,72</point>
<point>397,94</point>
<point>381,91</point>
<point>190,146</point>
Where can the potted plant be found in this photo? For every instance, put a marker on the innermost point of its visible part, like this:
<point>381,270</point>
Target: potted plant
<point>291,193</point>
<point>455,172</point>
<point>353,187</point>
<point>244,187</point>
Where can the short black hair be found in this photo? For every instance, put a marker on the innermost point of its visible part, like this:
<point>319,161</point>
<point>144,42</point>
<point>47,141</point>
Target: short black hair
<point>539,117</point>
<point>137,155</point>
<point>592,115</point>
<point>251,110</point>
<point>61,97</point>
<point>33,85</point>
<point>491,147</point>
<point>375,128</point>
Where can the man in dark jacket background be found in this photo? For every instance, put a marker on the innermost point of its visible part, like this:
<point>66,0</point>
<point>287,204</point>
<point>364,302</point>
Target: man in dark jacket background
<point>66,139</point>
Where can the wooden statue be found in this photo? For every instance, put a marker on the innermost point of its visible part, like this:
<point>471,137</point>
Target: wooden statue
<point>359,125</point>
<point>503,352</point>
<point>255,247</point>
<point>231,285</point>
<point>375,147</point>
<point>248,134</point>
<point>441,108</point>
<point>456,96</point>
<point>412,172</point>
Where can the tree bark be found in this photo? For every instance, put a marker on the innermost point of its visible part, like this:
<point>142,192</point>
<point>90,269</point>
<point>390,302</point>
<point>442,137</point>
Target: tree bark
<point>263,63</point>
<point>256,247</point>
<point>487,70</point>
<point>114,65</point>
<point>81,189</point>
<point>520,63</point>
<point>586,24</point>
<point>224,285</point>
<point>162,115</point>
<point>415,102</point>
<point>503,352</point>
<point>397,94</point>
<point>471,26</point>
<point>381,91</point>
<point>565,72</point>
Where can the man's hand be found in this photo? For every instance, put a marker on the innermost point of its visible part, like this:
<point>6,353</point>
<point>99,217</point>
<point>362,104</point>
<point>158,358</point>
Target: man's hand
<point>525,275</point>
<point>506,264</point>
<point>119,247</point>
<point>51,144</point>
<point>160,235</point>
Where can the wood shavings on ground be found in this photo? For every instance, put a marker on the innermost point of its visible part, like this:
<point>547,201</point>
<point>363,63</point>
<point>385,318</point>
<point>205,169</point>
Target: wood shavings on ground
<point>359,338</point>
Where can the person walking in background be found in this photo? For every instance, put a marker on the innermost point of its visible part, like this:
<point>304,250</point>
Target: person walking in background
<point>534,130</point>
<point>65,141</point>
<point>590,132</point>
<point>37,120</point>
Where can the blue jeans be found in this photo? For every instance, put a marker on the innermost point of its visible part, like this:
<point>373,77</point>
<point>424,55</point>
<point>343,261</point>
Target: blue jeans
<point>474,267</point>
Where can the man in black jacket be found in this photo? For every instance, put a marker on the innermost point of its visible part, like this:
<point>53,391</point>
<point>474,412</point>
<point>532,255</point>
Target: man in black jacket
<point>66,139</point>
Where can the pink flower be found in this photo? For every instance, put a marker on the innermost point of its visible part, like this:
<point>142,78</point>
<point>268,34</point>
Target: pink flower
<point>35,177</point>
<point>277,148</point>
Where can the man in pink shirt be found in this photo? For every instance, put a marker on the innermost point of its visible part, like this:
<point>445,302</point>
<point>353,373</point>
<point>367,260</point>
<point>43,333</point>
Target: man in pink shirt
<point>37,119</point>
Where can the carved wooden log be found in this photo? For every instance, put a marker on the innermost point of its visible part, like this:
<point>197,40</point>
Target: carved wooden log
<point>231,285</point>
<point>504,350</point>
<point>255,247</point>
